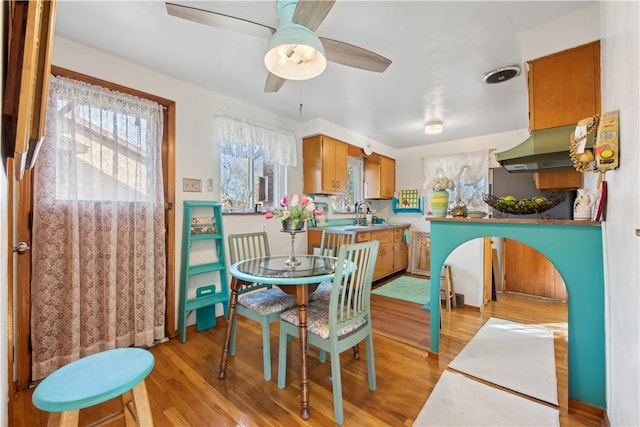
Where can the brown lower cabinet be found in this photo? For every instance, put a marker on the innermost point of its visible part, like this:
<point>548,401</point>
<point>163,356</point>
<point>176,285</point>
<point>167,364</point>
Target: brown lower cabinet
<point>393,252</point>
<point>527,271</point>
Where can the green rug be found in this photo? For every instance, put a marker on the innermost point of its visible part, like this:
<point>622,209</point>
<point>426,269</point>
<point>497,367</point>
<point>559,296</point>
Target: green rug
<point>407,288</point>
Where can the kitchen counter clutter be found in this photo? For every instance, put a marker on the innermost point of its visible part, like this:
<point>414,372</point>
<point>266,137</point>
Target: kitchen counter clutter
<point>393,252</point>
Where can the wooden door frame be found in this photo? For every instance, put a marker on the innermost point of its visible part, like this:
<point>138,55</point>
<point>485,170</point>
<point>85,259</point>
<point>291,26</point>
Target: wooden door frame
<point>23,295</point>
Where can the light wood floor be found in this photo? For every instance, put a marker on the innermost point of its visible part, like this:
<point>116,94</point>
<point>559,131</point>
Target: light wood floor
<point>184,388</point>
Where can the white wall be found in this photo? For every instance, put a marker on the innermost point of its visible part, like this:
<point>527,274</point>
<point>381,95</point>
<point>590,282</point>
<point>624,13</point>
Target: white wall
<point>620,47</point>
<point>468,258</point>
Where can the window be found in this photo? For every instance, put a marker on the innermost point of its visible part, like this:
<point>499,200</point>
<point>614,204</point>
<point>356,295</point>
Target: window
<point>253,161</point>
<point>111,148</point>
<point>246,179</point>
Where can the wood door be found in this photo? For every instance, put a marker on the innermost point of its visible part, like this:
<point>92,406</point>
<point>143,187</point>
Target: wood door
<point>24,197</point>
<point>19,321</point>
<point>527,271</point>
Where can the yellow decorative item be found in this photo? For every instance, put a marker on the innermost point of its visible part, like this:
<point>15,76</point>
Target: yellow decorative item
<point>409,198</point>
<point>439,203</point>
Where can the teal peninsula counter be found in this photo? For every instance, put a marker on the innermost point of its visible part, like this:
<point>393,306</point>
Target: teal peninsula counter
<point>575,249</point>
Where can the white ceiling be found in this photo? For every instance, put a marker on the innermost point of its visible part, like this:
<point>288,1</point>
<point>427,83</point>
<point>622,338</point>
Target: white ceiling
<point>440,52</point>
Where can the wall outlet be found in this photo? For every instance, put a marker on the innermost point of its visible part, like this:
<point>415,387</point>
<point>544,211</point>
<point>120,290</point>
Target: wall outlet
<point>209,184</point>
<point>192,185</point>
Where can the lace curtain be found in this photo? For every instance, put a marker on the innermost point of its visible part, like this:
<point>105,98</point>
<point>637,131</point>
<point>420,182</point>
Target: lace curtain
<point>469,172</point>
<point>98,255</point>
<point>279,146</point>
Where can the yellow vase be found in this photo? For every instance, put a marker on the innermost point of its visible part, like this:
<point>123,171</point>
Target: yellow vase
<point>439,203</point>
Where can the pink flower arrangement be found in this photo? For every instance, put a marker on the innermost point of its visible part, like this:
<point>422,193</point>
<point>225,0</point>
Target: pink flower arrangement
<point>297,208</point>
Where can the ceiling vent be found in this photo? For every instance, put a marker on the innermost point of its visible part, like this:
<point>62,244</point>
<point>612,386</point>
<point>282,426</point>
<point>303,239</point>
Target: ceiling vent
<point>502,74</point>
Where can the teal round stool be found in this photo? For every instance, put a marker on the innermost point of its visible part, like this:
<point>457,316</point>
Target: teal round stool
<point>95,379</point>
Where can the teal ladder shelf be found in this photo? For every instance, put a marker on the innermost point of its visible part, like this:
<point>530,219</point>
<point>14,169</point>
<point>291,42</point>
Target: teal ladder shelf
<point>208,228</point>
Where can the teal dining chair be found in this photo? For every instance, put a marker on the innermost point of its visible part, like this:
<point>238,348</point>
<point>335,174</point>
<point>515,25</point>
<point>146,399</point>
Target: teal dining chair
<point>340,322</point>
<point>332,240</point>
<point>257,301</point>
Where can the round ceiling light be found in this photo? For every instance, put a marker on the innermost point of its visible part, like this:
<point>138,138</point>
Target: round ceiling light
<point>502,74</point>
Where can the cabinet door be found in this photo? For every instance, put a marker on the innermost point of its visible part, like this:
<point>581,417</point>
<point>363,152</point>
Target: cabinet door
<point>379,177</point>
<point>324,165</point>
<point>314,239</point>
<point>363,237</point>
<point>564,87</point>
<point>387,177</point>
<point>372,177</point>
<point>558,180</point>
<point>400,251</point>
<point>334,166</point>
<point>384,262</point>
<point>527,271</point>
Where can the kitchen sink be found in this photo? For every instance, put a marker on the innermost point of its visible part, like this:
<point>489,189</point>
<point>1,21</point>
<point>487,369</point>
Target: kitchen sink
<point>361,226</point>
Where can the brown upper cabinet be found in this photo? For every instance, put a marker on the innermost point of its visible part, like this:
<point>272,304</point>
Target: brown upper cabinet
<point>379,177</point>
<point>558,180</point>
<point>324,165</point>
<point>564,87</point>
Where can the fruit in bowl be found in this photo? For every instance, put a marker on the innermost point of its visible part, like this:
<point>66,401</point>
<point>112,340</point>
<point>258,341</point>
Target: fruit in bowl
<point>535,205</point>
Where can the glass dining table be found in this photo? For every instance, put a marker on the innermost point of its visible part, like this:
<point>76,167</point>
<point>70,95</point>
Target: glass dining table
<point>299,280</point>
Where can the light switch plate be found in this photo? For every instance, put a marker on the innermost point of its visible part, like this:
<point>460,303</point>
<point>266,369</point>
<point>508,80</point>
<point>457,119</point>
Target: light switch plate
<point>191,184</point>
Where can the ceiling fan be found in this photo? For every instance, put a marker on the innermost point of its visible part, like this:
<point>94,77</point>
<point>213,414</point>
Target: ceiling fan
<point>295,52</point>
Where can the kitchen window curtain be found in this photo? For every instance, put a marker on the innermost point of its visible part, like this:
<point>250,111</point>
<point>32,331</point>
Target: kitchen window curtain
<point>469,172</point>
<point>279,146</point>
<point>98,255</point>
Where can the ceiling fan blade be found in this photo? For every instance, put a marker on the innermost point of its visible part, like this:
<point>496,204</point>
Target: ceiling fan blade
<point>273,83</point>
<point>354,56</point>
<point>311,13</point>
<point>219,20</point>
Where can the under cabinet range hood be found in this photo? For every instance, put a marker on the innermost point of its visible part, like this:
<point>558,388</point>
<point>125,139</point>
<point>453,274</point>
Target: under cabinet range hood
<point>545,149</point>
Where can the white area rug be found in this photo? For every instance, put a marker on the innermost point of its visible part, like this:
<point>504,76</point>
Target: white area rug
<point>512,355</point>
<point>460,401</point>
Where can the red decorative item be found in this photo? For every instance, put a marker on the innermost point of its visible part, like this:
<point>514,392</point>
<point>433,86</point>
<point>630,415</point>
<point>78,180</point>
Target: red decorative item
<point>602,202</point>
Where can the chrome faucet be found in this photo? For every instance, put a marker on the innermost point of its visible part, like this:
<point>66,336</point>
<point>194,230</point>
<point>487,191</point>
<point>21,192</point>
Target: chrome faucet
<point>358,210</point>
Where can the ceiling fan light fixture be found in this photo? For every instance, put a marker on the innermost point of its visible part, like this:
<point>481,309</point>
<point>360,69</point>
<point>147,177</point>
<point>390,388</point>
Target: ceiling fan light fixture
<point>295,53</point>
<point>433,128</point>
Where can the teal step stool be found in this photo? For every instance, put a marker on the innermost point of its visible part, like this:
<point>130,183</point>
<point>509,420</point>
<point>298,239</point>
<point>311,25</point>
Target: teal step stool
<point>95,379</point>
<point>202,222</point>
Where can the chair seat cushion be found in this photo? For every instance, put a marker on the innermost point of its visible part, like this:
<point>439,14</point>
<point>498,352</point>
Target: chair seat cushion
<point>318,319</point>
<point>322,292</point>
<point>267,301</point>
